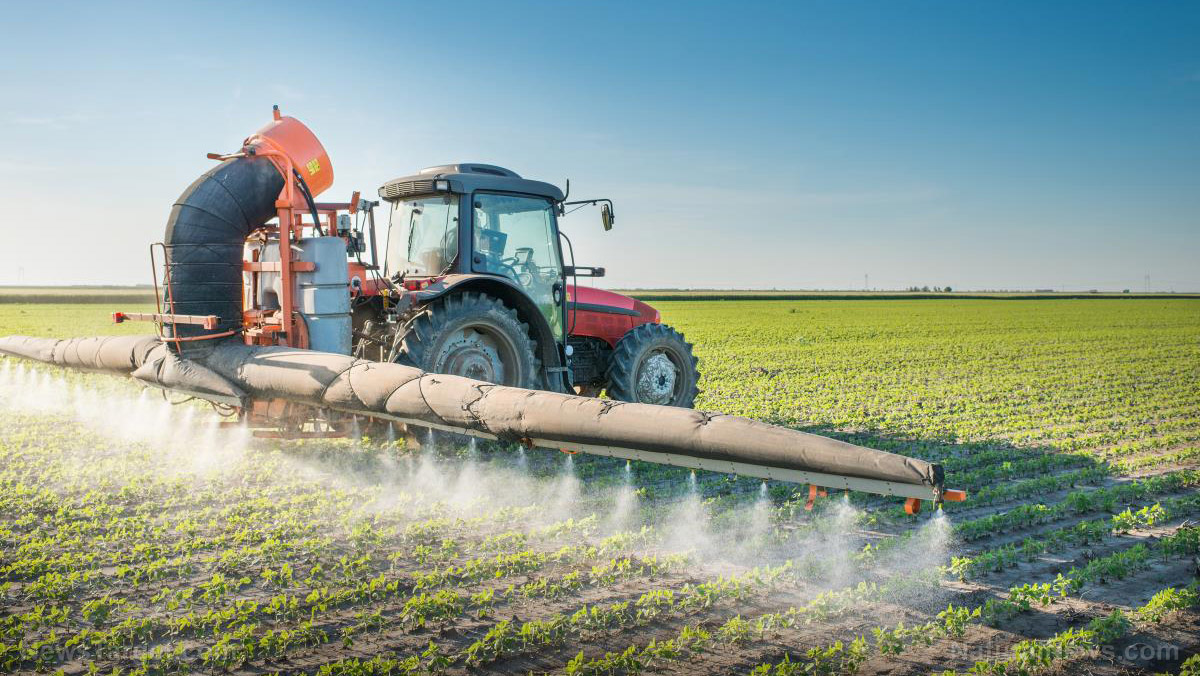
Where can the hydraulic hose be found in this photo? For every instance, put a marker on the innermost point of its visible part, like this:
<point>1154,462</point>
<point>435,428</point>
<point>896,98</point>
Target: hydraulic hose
<point>308,199</point>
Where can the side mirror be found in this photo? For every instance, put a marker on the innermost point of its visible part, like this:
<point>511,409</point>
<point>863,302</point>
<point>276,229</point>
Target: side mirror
<point>606,216</point>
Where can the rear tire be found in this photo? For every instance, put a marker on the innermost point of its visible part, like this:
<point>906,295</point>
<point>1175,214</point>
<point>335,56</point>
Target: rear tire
<point>653,364</point>
<point>475,336</point>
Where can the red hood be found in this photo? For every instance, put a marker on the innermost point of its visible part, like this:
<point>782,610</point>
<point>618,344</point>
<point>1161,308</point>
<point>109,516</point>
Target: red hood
<point>593,296</point>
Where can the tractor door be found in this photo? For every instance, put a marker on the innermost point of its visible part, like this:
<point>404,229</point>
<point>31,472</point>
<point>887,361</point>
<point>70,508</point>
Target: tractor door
<point>516,236</point>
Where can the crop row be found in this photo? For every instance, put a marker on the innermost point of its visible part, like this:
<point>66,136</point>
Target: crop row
<point>1023,516</point>
<point>824,607</point>
<point>1079,533</point>
<point>508,638</point>
<point>1077,502</point>
<point>840,657</point>
<point>233,617</point>
<point>692,640</point>
<point>1032,655</point>
<point>1027,656</point>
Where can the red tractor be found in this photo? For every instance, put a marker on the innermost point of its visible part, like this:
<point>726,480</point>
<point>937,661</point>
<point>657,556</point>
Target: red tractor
<point>472,281</point>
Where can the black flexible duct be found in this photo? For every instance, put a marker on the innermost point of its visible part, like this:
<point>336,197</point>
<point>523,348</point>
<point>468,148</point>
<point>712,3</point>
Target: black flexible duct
<point>205,236</point>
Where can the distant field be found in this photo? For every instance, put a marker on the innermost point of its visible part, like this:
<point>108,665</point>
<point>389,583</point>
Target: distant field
<point>145,294</point>
<point>783,294</point>
<point>75,290</point>
<point>66,319</point>
<point>136,541</point>
<point>76,294</point>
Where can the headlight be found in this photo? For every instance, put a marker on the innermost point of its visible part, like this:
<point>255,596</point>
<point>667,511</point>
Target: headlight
<point>441,185</point>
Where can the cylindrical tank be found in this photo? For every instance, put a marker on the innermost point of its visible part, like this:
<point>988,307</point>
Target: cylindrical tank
<point>323,295</point>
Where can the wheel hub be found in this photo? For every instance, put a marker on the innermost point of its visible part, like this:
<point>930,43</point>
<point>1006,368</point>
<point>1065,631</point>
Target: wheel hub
<point>656,380</point>
<point>472,354</point>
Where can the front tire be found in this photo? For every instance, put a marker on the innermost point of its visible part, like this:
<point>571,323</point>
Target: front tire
<point>475,336</point>
<point>653,364</point>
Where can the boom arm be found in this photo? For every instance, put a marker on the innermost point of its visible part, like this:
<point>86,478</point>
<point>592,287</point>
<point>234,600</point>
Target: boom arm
<point>242,375</point>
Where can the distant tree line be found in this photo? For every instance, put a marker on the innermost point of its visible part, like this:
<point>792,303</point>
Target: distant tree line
<point>926,289</point>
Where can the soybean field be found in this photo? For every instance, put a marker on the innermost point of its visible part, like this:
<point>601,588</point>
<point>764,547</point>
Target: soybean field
<point>140,537</point>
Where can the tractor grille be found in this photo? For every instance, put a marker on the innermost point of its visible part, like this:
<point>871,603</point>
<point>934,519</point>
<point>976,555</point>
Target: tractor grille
<point>395,191</point>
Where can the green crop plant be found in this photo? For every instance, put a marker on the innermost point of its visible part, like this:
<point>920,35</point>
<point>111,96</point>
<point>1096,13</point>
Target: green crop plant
<point>1168,601</point>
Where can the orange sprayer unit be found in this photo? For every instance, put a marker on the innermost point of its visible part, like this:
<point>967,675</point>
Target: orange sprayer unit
<point>223,249</point>
<point>307,172</point>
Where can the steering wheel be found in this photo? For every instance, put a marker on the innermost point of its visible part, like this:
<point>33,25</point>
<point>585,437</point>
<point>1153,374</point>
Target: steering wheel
<point>507,268</point>
<point>523,272</point>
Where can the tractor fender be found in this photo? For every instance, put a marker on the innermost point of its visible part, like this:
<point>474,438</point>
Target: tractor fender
<point>515,297</point>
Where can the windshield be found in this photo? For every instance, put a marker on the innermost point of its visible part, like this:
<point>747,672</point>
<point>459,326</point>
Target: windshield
<point>422,236</point>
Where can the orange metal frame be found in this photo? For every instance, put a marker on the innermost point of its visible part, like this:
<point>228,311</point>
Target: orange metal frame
<point>260,328</point>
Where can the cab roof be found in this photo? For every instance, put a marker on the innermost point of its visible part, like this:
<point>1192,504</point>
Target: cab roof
<point>466,178</point>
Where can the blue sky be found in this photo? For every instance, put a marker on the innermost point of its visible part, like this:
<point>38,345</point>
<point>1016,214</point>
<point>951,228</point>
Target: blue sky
<point>781,145</point>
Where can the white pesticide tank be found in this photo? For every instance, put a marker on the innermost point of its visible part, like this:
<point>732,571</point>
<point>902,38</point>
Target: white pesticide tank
<point>323,295</point>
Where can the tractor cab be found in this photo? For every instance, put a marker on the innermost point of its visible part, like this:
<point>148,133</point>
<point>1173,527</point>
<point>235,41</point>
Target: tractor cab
<point>475,284</point>
<point>478,219</point>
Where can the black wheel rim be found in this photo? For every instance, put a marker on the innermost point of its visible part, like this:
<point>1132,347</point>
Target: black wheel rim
<point>482,352</point>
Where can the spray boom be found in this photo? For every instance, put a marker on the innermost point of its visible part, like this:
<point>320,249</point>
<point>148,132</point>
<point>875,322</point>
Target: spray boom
<point>276,381</point>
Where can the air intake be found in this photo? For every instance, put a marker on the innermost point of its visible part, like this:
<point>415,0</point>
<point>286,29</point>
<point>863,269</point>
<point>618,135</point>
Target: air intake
<point>402,189</point>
